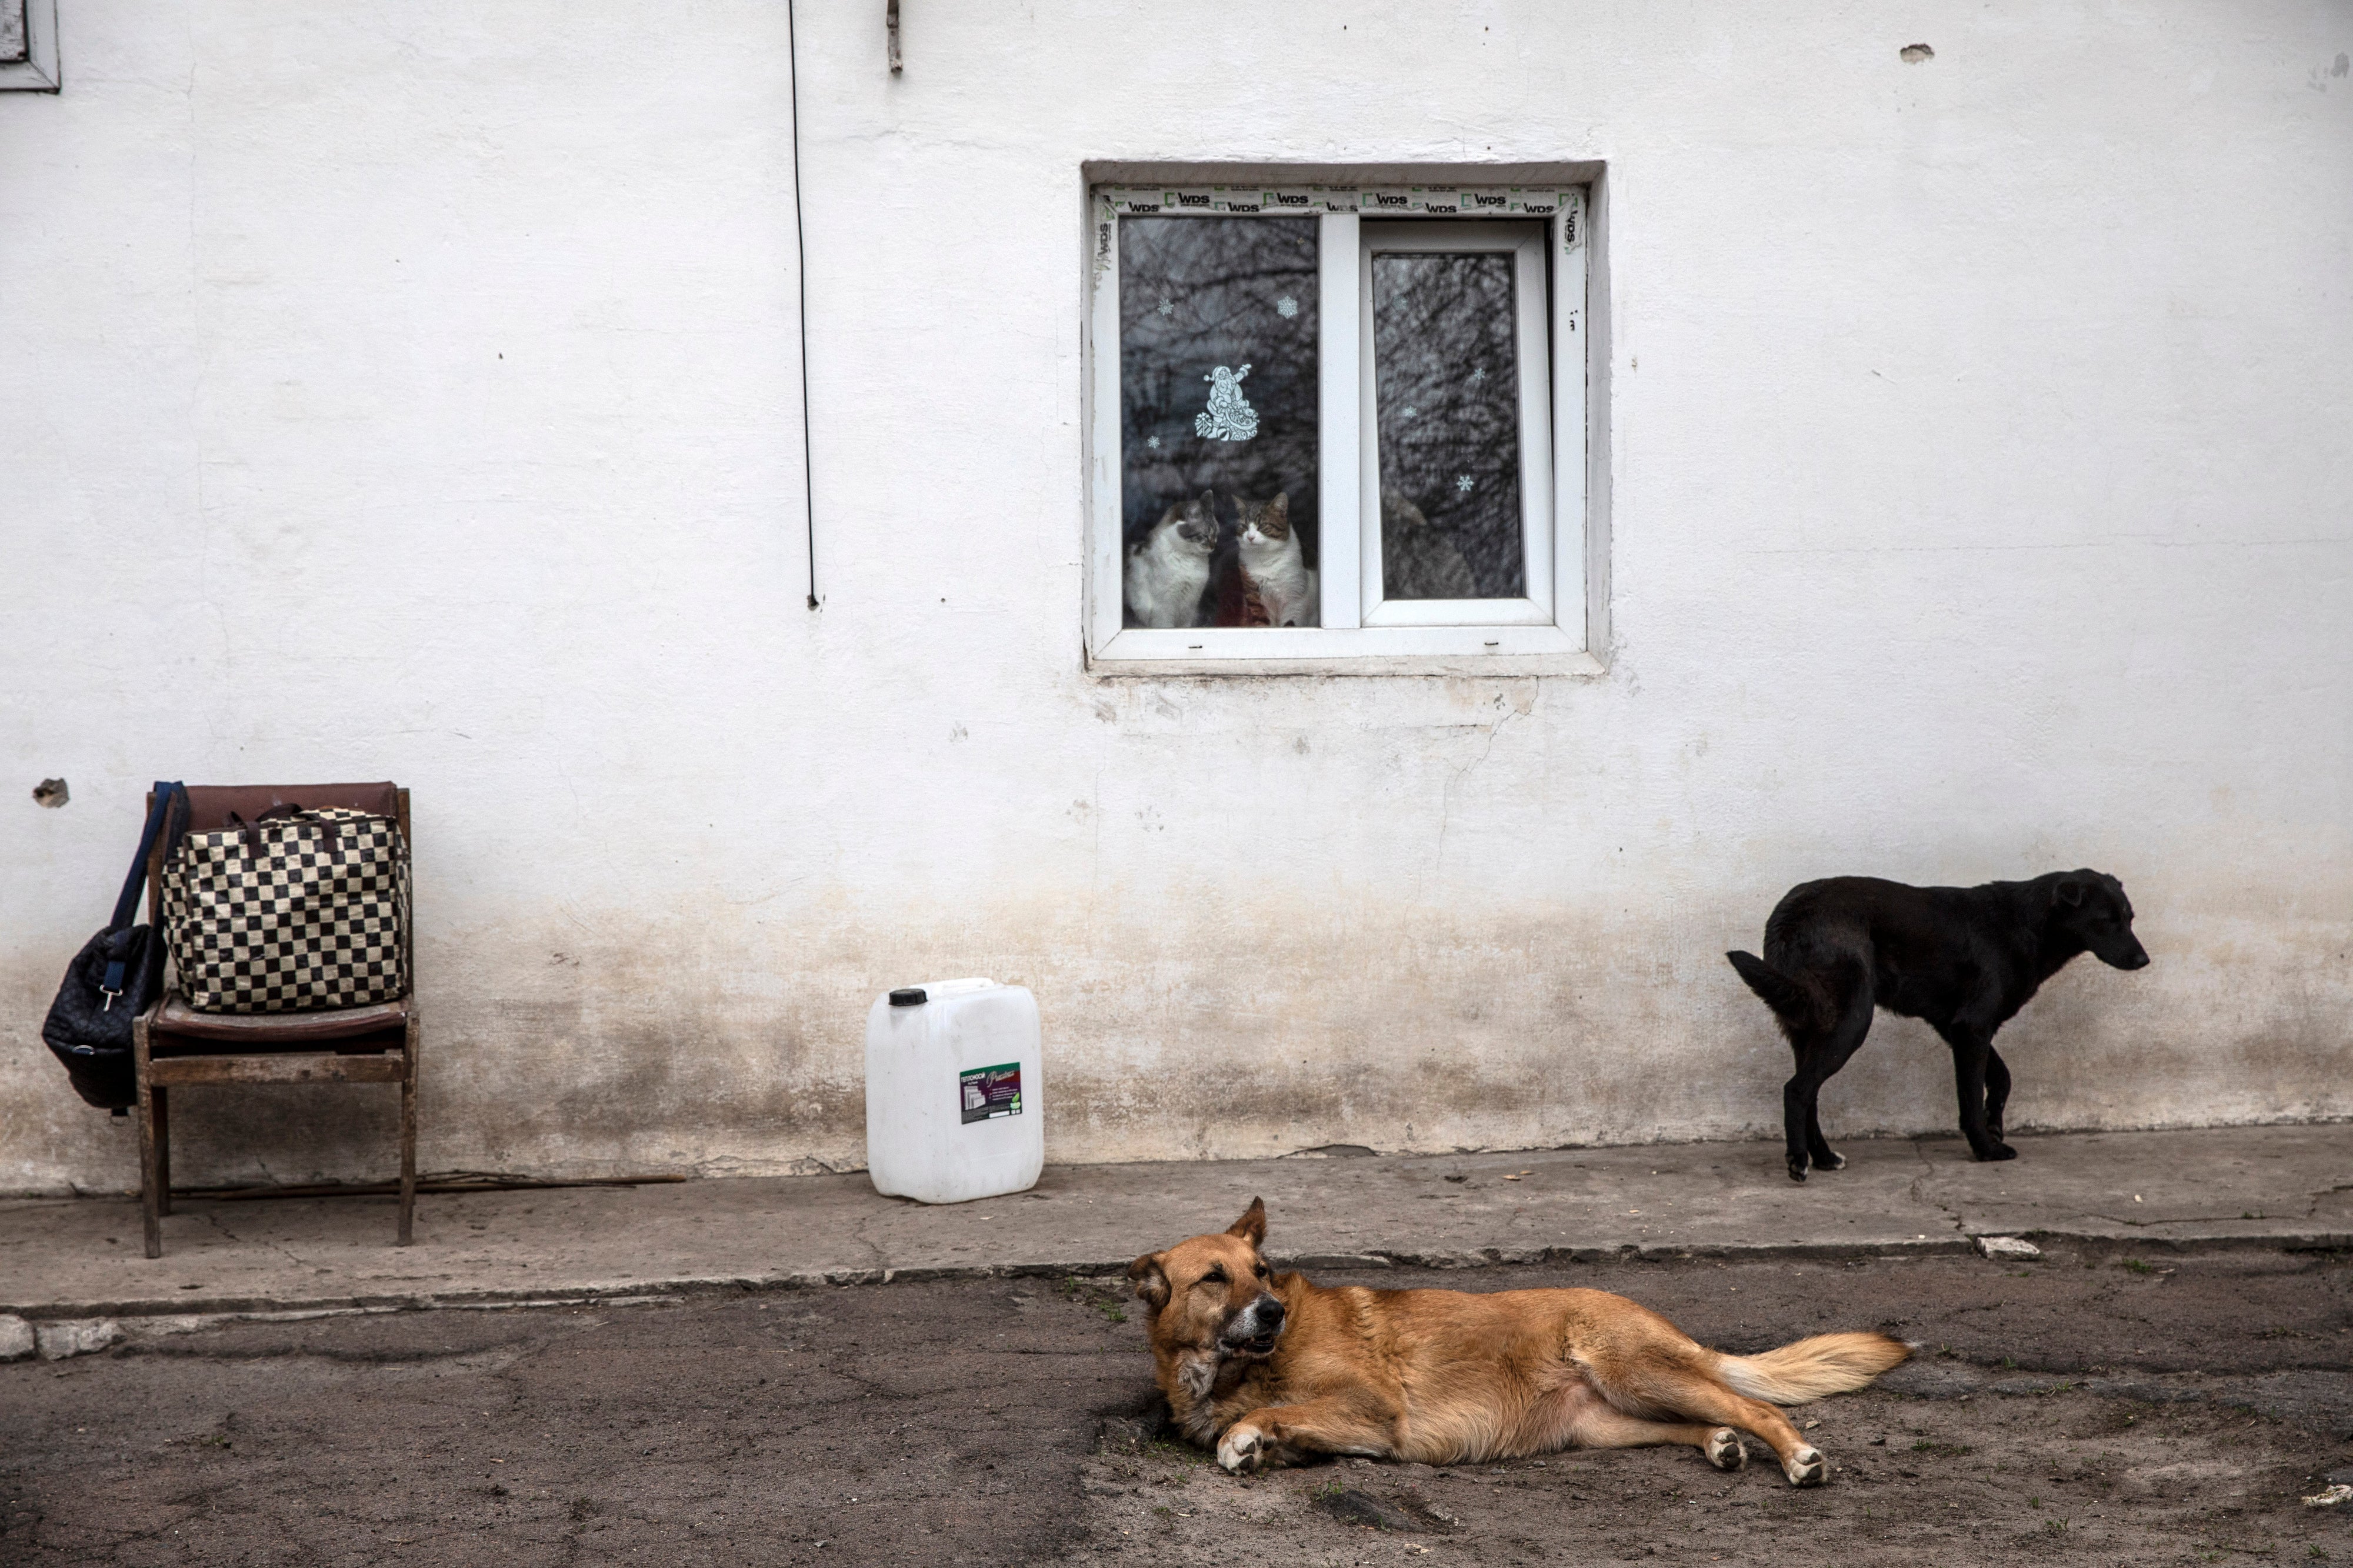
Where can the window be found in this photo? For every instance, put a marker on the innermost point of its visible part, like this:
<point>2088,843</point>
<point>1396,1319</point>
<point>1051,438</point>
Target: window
<point>1333,424</point>
<point>28,46</point>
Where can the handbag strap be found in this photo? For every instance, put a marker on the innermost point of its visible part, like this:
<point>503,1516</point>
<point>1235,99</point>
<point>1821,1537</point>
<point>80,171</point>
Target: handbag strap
<point>249,833</point>
<point>119,928</point>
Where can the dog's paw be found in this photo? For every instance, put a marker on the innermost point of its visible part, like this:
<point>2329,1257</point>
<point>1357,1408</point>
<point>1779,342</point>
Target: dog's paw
<point>1724,1451</point>
<point>1797,1170</point>
<point>1806,1468</point>
<point>1242,1449</point>
<point>1832,1159</point>
<point>1997,1152</point>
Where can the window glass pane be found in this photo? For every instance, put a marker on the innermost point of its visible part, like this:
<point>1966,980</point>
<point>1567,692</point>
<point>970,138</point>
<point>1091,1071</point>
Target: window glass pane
<point>1217,398</point>
<point>1447,390</point>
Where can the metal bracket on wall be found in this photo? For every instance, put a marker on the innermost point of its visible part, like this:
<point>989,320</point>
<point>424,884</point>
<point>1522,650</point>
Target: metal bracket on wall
<point>28,46</point>
<point>891,25</point>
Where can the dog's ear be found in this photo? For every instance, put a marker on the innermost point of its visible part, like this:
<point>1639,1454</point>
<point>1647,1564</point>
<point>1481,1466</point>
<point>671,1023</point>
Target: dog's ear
<point>1150,1281</point>
<point>2069,890</point>
<point>1251,1227</point>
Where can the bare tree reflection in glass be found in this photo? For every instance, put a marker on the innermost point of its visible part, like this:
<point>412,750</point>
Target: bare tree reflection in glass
<point>1198,296</point>
<point>1446,388</point>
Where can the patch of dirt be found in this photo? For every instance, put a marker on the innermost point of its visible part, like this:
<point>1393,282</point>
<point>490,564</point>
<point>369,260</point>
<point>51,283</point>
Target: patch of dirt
<point>2073,1409</point>
<point>2065,1477</point>
<point>893,1425</point>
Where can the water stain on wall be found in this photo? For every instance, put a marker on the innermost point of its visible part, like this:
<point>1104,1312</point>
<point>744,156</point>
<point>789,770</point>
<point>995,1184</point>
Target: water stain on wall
<point>1254,1027</point>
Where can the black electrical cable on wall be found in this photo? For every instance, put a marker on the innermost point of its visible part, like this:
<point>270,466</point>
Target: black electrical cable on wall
<point>800,252</point>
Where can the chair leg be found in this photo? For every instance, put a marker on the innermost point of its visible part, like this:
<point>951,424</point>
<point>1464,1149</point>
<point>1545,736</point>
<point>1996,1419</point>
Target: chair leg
<point>149,1214</point>
<point>163,1097</point>
<point>408,1138</point>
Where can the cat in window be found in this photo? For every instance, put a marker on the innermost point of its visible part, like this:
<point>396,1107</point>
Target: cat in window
<point>1418,562</point>
<point>1273,568</point>
<point>1169,568</point>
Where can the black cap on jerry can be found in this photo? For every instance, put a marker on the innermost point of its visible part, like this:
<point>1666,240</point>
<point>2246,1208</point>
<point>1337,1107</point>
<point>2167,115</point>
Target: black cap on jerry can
<point>909,996</point>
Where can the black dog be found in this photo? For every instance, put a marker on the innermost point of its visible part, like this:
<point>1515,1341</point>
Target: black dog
<point>1963,960</point>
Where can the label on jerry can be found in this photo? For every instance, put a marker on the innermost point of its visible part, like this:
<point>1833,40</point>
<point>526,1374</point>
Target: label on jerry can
<point>991,1091</point>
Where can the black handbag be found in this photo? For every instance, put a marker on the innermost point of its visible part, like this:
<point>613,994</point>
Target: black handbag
<point>116,977</point>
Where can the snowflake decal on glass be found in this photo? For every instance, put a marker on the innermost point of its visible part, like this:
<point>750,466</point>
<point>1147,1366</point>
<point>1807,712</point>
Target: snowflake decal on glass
<point>1167,306</point>
<point>1286,307</point>
<point>1409,411</point>
<point>1478,374</point>
<point>1229,418</point>
<point>1153,442</point>
<point>1463,483</point>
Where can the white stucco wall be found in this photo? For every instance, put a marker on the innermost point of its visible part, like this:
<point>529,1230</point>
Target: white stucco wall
<point>415,393</point>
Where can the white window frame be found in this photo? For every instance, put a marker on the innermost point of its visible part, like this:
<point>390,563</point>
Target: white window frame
<point>37,71</point>
<point>1537,520</point>
<point>1362,633</point>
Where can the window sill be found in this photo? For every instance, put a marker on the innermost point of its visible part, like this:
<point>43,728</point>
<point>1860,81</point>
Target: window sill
<point>1366,650</point>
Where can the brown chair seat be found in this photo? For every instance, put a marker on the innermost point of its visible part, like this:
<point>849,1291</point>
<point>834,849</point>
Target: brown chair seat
<point>274,1031</point>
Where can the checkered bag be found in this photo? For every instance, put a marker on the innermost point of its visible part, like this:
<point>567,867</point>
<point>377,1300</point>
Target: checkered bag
<point>293,912</point>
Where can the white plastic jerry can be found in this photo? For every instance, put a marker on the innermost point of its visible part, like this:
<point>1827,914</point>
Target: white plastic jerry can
<point>955,1091</point>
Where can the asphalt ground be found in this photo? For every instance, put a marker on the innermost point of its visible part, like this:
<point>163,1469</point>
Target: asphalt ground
<point>2099,1406</point>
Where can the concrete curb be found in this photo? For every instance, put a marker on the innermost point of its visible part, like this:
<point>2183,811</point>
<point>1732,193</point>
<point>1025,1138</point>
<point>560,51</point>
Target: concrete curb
<point>649,1292</point>
<point>2284,1188</point>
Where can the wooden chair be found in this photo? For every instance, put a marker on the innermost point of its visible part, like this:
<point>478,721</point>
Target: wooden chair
<point>174,1045</point>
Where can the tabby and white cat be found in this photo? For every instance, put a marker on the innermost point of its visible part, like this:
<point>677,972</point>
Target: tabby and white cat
<point>1273,565</point>
<point>1169,568</point>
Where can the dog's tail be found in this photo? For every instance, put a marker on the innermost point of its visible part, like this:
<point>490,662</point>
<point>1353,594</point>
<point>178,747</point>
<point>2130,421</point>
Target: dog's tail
<point>1814,1368</point>
<point>1783,996</point>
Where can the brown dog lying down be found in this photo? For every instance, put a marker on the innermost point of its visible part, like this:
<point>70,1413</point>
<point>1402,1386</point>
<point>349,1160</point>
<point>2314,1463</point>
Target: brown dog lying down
<point>1271,1368</point>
